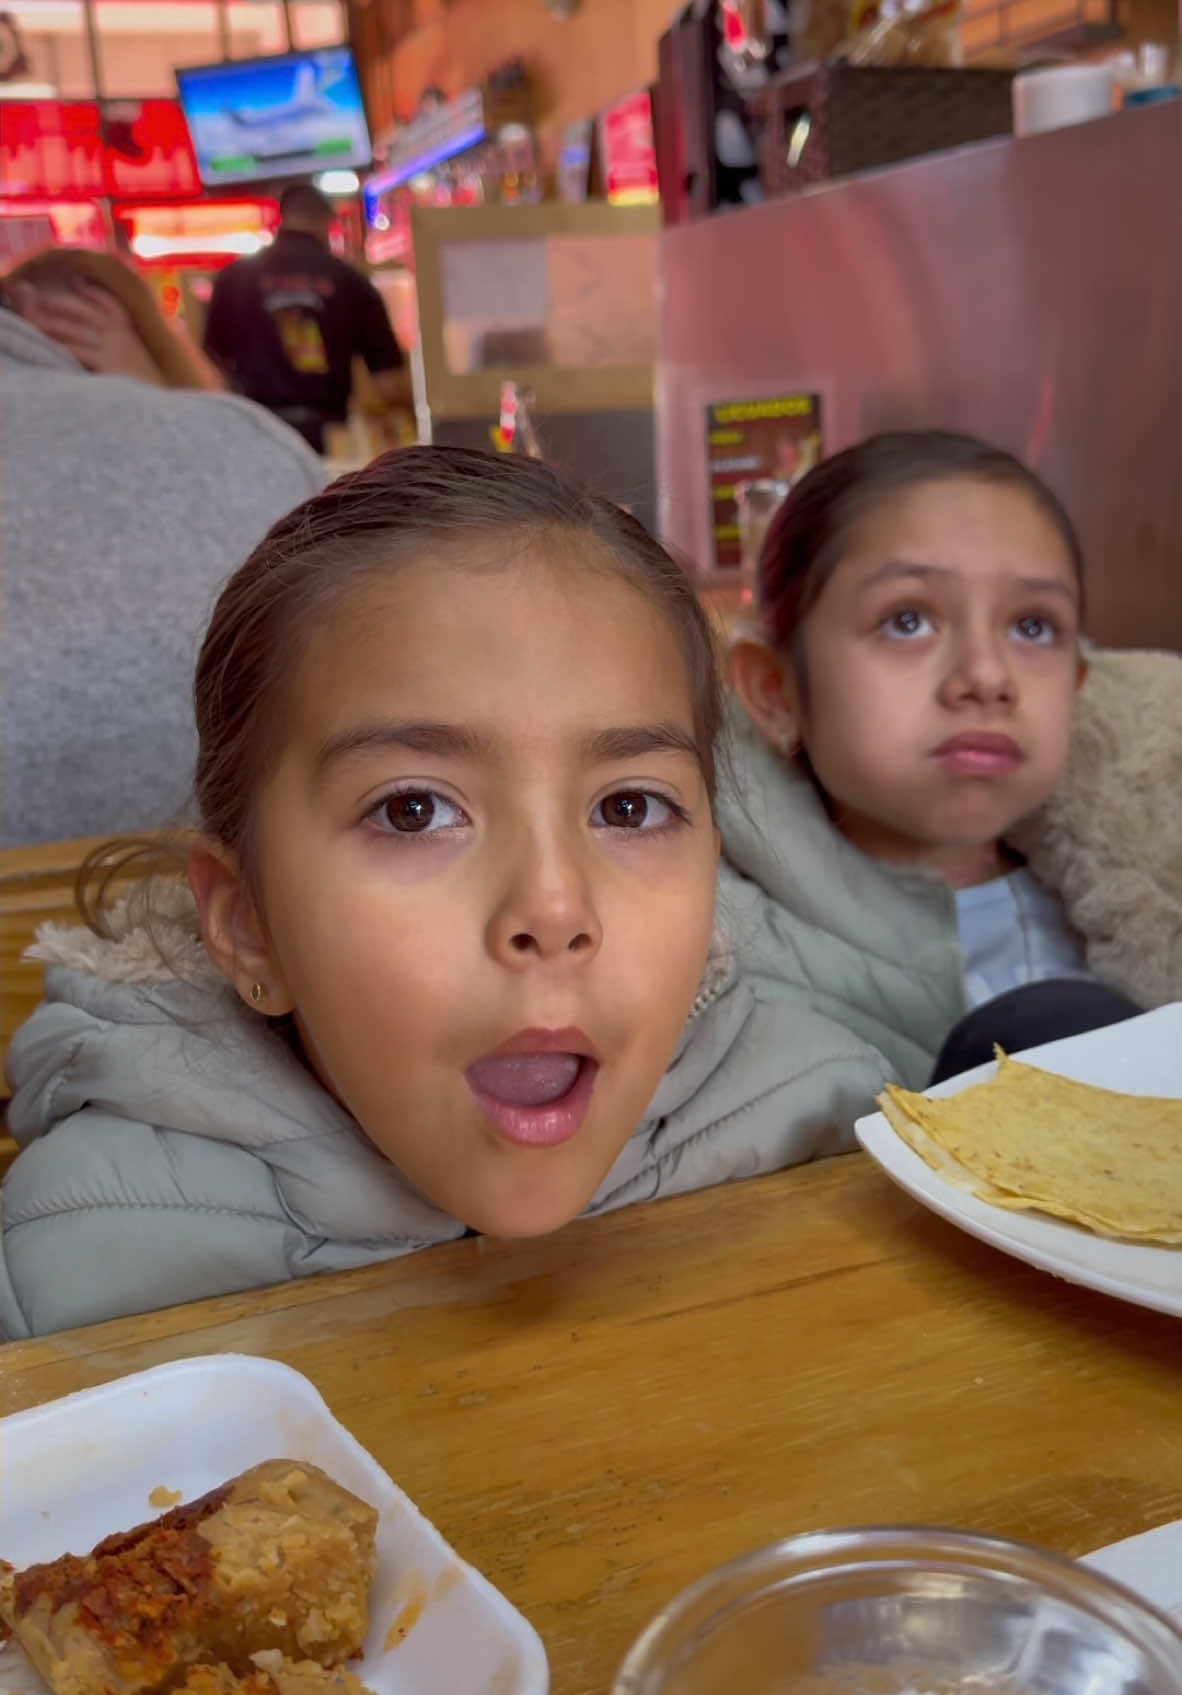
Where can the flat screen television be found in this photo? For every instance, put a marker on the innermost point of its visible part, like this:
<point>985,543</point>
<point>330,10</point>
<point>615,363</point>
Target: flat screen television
<point>252,120</point>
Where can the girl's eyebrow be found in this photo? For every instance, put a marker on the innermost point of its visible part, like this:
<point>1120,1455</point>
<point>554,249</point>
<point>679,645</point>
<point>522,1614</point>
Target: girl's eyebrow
<point>459,741</point>
<point>895,569</point>
<point>454,741</point>
<point>634,741</point>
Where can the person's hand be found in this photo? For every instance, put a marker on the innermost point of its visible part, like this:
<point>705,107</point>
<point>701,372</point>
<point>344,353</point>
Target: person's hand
<point>92,325</point>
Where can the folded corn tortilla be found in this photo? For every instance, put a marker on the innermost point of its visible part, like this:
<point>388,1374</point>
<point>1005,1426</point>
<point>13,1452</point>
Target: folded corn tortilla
<point>1029,1140</point>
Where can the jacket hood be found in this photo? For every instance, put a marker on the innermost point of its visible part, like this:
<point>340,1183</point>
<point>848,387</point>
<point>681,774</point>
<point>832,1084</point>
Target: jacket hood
<point>176,1147</point>
<point>775,830</point>
<point>865,944</point>
<point>1109,840</point>
<point>140,1023</point>
<point>131,1015</point>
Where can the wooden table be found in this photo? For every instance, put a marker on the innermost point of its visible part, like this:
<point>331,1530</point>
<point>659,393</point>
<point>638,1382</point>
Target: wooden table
<point>596,1418</point>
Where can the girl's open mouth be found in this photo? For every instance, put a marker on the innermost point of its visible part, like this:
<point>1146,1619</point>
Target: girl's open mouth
<point>538,1100</point>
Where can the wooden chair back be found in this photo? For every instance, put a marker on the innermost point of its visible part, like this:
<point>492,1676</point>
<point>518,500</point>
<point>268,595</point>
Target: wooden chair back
<point>36,886</point>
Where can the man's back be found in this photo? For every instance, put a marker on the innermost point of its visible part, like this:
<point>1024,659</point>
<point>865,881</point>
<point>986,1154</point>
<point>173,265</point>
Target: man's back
<point>287,324</point>
<point>123,508</point>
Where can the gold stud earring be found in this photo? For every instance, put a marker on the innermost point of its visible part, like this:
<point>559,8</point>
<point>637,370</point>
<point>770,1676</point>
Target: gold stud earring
<point>256,993</point>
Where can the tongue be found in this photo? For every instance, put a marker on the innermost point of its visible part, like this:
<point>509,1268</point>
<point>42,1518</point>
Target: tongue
<point>526,1079</point>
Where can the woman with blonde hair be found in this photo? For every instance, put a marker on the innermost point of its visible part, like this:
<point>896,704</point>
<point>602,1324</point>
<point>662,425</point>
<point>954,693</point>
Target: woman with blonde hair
<point>104,313</point>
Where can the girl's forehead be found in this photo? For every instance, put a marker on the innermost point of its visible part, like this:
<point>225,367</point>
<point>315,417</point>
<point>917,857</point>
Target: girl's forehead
<point>988,530</point>
<point>492,634</point>
<point>491,583</point>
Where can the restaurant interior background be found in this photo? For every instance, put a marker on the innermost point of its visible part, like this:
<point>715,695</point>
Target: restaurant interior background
<point>543,206</point>
<point>662,246</point>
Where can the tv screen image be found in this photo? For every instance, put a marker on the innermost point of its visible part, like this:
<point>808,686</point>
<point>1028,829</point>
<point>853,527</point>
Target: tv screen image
<point>294,115</point>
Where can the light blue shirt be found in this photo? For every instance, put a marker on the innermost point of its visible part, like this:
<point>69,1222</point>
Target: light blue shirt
<point>1013,932</point>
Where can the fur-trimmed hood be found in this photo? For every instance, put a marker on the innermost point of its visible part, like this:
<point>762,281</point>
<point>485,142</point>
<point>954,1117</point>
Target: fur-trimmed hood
<point>1109,840</point>
<point>151,937</point>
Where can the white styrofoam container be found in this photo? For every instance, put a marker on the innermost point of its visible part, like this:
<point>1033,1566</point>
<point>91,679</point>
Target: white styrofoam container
<point>1150,1563</point>
<point>78,1469</point>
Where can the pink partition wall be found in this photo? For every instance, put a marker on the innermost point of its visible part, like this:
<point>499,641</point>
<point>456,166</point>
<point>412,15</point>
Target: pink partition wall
<point>1030,291</point>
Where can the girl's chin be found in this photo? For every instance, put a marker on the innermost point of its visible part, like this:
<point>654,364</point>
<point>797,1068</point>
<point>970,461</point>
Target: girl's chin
<point>538,1212</point>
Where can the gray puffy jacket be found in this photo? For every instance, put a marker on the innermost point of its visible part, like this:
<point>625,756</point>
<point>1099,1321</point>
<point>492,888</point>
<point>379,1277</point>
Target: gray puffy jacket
<point>175,1148</point>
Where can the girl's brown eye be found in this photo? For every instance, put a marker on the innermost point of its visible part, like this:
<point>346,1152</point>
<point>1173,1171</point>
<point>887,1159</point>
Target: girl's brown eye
<point>409,813</point>
<point>639,811</point>
<point>417,812</point>
<point>627,810</point>
<point>906,624</point>
<point>1037,629</point>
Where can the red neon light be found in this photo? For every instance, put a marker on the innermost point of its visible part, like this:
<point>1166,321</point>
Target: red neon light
<point>66,150</point>
<point>148,151</point>
<point>51,150</point>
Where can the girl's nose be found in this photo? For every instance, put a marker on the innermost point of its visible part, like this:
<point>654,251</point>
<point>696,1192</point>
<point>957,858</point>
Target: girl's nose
<point>547,910</point>
<point>980,672</point>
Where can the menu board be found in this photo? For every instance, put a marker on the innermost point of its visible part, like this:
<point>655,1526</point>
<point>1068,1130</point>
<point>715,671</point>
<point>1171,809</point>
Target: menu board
<point>51,150</point>
<point>24,235</point>
<point>148,151</point>
<point>777,439</point>
<point>28,226</point>
<point>205,231</point>
<point>62,150</point>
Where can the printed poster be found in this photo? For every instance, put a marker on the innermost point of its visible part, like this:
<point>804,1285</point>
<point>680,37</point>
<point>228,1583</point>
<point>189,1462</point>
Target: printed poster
<point>777,439</point>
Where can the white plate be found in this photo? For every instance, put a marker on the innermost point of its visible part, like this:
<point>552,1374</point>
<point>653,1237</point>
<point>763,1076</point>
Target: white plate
<point>1150,1564</point>
<point>1142,1056</point>
<point>78,1469</point>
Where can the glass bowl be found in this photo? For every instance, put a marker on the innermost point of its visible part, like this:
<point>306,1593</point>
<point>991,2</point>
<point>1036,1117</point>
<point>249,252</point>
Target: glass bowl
<point>904,1611</point>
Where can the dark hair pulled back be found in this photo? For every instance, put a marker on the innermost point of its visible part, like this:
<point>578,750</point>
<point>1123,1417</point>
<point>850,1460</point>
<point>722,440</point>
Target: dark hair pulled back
<point>813,528</point>
<point>367,523</point>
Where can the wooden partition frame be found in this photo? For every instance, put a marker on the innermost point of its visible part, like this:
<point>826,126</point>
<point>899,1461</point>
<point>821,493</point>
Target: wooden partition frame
<point>451,395</point>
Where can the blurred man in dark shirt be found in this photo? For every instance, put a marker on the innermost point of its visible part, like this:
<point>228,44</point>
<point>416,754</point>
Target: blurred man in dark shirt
<point>286,324</point>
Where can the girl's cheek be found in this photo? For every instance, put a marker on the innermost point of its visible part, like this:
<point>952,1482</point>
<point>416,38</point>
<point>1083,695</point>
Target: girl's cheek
<point>406,860</point>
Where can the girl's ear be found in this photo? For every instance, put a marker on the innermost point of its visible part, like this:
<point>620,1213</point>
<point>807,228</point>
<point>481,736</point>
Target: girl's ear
<point>764,682</point>
<point>233,930</point>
